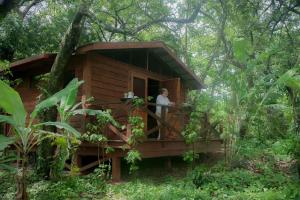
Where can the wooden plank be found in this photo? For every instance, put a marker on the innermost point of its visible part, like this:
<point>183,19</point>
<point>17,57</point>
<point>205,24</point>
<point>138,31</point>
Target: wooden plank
<point>105,94</point>
<point>92,164</point>
<point>160,120</point>
<point>110,70</point>
<point>152,130</point>
<point>108,87</point>
<point>117,132</point>
<point>87,77</point>
<point>173,86</point>
<point>110,81</point>
<point>104,70</point>
<point>129,67</point>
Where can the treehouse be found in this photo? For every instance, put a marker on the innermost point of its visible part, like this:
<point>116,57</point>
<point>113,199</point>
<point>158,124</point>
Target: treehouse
<point>110,71</point>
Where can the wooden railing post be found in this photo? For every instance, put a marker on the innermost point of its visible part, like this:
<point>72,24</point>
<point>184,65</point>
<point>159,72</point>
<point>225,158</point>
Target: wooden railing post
<point>128,130</point>
<point>163,117</point>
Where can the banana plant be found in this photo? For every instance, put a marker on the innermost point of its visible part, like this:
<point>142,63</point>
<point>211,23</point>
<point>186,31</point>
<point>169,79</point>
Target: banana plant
<point>26,128</point>
<point>68,143</point>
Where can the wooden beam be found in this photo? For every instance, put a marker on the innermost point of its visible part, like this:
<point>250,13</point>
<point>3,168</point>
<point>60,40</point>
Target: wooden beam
<point>92,164</point>
<point>118,133</point>
<point>161,121</point>
<point>152,130</point>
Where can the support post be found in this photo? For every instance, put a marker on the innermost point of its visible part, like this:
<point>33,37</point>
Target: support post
<point>116,169</point>
<point>163,117</point>
<point>78,160</point>
<point>168,163</point>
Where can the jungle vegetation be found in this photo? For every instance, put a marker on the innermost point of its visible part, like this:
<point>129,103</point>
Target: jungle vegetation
<point>246,52</point>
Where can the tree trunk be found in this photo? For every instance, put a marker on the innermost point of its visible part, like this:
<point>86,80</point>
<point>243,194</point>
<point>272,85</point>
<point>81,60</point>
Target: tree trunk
<point>21,181</point>
<point>56,81</point>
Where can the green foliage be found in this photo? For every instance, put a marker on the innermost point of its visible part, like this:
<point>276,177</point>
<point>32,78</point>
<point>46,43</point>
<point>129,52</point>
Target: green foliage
<point>6,159</point>
<point>5,141</point>
<point>190,156</point>
<point>242,49</point>
<point>137,102</point>
<point>72,187</point>
<point>191,131</point>
<point>29,135</point>
<point>132,157</point>
<point>95,130</point>
<point>137,129</point>
<point>92,186</point>
<point>137,133</point>
<point>245,52</point>
<point>12,104</point>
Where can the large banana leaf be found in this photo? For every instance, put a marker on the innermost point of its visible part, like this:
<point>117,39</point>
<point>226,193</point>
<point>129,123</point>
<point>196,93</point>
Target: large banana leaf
<point>55,99</point>
<point>5,162</point>
<point>69,100</point>
<point>89,112</point>
<point>8,119</point>
<point>61,125</point>
<point>11,103</point>
<point>5,142</point>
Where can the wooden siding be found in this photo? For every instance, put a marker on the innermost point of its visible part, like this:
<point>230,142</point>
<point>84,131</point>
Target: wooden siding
<point>109,80</point>
<point>28,94</point>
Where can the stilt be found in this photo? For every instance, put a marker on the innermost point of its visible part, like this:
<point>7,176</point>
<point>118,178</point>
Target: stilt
<point>78,160</point>
<point>168,163</point>
<point>116,169</point>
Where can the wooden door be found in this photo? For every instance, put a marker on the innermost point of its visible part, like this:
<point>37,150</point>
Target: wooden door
<point>173,86</point>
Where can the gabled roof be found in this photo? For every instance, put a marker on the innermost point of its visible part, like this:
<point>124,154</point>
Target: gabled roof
<point>157,48</point>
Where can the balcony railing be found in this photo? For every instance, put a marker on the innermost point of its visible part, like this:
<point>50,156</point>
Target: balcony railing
<point>169,124</point>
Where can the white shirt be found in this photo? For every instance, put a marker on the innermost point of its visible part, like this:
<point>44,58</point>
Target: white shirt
<point>161,100</point>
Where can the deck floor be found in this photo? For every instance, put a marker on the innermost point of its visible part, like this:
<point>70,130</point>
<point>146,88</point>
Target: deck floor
<point>154,148</point>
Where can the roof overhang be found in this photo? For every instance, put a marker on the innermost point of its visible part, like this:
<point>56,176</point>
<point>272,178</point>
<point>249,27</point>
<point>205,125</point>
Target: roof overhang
<point>157,48</point>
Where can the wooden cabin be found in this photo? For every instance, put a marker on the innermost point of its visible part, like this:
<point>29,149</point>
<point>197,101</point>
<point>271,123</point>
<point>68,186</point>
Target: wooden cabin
<point>110,70</point>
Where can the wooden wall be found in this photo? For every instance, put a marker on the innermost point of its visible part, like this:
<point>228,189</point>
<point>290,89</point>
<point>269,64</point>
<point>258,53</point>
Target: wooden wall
<point>109,79</point>
<point>28,93</point>
<point>105,79</point>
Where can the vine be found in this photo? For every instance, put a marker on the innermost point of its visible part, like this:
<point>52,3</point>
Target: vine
<point>137,133</point>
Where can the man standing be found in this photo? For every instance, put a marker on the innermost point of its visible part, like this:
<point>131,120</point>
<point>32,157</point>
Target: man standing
<point>162,100</point>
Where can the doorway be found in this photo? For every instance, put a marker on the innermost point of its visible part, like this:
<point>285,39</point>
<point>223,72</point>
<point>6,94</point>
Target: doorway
<point>139,87</point>
<point>153,92</point>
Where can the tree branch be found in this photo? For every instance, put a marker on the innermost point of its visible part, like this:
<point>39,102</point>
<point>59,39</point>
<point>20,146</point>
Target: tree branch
<point>147,25</point>
<point>27,8</point>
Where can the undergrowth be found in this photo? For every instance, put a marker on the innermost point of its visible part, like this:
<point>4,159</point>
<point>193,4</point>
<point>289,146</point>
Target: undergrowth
<point>91,186</point>
<point>259,171</point>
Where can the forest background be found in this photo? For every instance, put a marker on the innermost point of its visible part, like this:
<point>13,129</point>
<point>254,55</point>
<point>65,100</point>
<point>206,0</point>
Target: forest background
<point>245,52</point>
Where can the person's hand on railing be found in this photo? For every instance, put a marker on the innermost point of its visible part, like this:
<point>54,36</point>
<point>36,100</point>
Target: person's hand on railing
<point>172,104</point>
